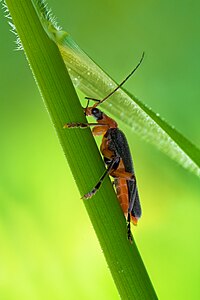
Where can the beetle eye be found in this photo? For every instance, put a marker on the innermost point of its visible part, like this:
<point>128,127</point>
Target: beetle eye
<point>97,114</point>
<point>95,111</point>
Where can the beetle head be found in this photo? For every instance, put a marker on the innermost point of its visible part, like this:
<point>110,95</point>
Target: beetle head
<point>94,112</point>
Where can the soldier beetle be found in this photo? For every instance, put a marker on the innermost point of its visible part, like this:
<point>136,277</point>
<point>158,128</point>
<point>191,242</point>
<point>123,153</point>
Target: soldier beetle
<point>117,157</point>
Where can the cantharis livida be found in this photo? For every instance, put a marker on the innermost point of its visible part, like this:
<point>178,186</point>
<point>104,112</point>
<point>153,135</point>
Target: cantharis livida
<point>117,157</point>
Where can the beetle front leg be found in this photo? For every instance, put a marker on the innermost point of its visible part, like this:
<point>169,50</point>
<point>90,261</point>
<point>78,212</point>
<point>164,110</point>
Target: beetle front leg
<point>79,125</point>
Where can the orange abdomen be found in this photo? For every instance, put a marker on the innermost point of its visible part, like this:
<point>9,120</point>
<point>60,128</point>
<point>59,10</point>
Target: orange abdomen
<point>122,194</point>
<point>123,197</point>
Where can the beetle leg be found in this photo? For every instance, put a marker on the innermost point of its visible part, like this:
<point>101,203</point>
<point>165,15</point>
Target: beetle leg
<point>133,197</point>
<point>97,186</point>
<point>99,130</point>
<point>123,174</point>
<point>81,125</point>
<point>129,235</point>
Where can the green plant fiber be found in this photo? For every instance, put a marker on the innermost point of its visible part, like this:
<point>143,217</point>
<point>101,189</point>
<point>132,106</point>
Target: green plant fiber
<point>123,258</point>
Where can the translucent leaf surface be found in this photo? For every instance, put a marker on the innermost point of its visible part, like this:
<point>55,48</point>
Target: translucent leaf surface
<point>94,82</point>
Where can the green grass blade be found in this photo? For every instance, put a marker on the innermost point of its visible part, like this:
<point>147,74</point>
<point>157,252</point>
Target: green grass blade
<point>124,261</point>
<point>94,82</point>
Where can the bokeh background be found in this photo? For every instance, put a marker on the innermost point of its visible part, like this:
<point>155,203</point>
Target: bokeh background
<point>48,249</point>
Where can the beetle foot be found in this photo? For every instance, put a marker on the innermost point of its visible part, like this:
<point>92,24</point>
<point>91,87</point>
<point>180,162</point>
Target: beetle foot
<point>90,194</point>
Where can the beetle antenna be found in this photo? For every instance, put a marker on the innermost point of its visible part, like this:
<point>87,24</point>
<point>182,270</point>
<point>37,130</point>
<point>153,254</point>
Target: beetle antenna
<point>120,85</point>
<point>94,99</point>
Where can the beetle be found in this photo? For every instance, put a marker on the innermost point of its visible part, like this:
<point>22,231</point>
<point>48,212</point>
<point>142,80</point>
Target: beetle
<point>117,157</point>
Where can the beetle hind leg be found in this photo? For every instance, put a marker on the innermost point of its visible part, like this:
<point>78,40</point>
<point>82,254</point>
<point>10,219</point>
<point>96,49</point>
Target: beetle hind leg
<point>129,235</point>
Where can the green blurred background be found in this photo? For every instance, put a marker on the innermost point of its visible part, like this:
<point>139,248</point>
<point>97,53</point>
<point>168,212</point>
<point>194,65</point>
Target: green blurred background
<point>48,249</point>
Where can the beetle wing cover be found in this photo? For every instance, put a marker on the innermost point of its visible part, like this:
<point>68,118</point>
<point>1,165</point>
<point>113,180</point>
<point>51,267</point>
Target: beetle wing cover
<point>119,144</point>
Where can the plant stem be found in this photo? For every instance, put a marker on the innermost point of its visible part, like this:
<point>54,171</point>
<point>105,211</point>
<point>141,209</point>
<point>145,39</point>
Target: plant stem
<point>63,105</point>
